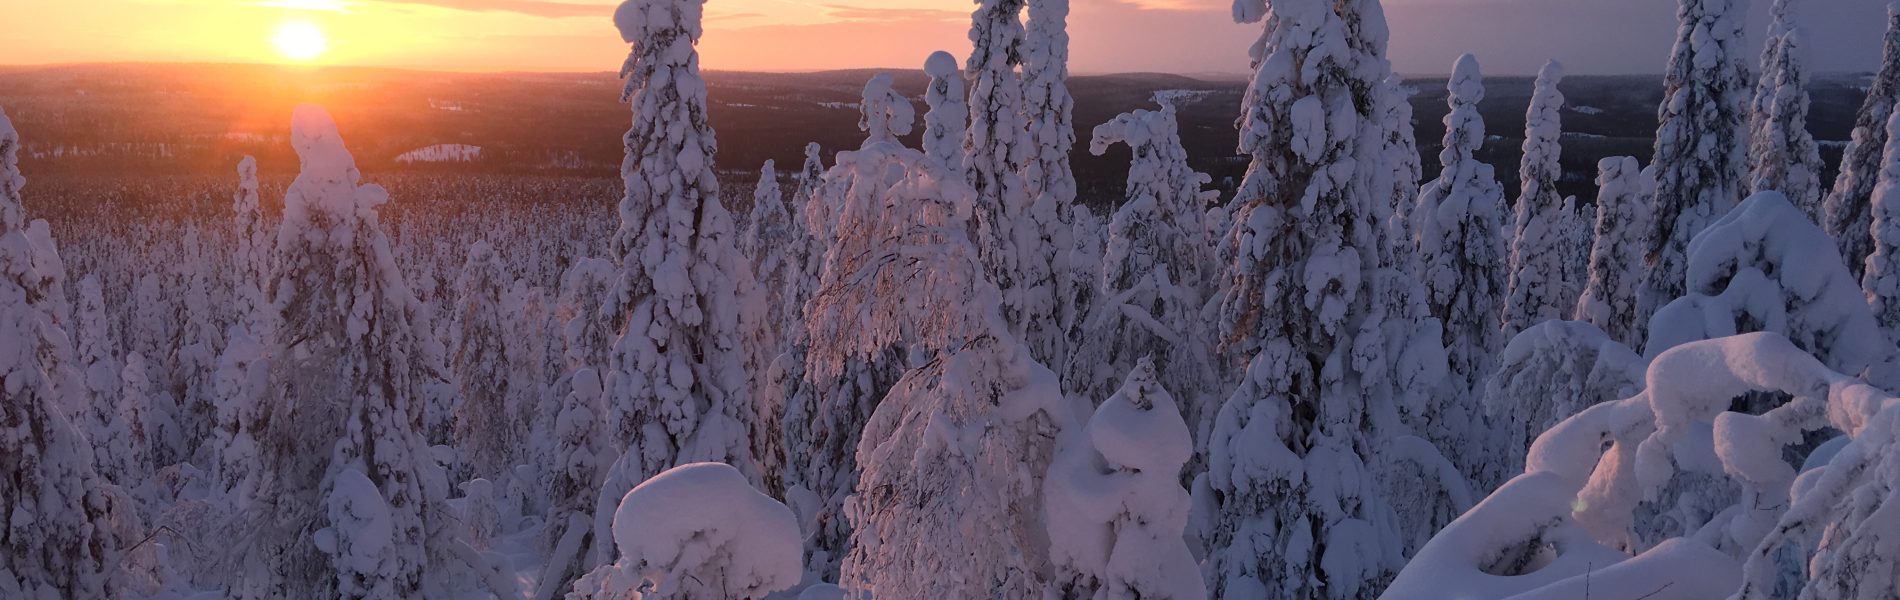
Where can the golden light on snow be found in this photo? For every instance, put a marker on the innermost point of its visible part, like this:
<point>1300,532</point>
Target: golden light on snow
<point>300,41</point>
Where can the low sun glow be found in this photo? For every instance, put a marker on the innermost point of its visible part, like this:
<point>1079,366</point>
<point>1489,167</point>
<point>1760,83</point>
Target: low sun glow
<point>300,41</point>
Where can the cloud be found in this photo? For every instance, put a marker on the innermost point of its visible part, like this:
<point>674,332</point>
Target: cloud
<point>536,8</point>
<point>329,5</point>
<point>733,16</point>
<point>1175,4</point>
<point>864,14</point>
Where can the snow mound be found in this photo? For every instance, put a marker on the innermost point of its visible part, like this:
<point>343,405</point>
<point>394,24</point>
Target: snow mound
<point>1765,267</point>
<point>699,530</point>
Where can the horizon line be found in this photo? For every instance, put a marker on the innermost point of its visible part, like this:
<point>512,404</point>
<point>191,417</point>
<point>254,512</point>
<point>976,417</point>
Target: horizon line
<point>472,71</point>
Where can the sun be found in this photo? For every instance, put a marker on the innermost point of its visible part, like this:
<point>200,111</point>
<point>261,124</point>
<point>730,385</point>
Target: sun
<point>300,41</point>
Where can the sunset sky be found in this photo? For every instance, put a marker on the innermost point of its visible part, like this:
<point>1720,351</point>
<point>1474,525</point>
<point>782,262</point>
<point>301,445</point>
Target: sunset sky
<point>1182,36</point>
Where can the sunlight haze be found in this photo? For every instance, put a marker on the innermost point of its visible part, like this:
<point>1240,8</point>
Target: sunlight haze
<point>1181,36</point>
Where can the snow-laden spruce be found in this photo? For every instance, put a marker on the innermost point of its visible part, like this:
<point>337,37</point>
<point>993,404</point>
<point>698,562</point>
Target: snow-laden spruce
<point>1116,508</point>
<point>1881,279</point>
<point>571,477</point>
<point>959,446</point>
<point>97,412</point>
<point>768,240</point>
<point>1047,106</point>
<point>676,387</point>
<point>1782,154</point>
<point>241,375</point>
<point>1016,152</point>
<point>1293,502</point>
<point>1462,254</point>
<point>58,540</point>
<point>1701,143</point>
<point>1624,192</point>
<point>242,383</point>
<point>1401,155</point>
<point>1154,270</point>
<point>826,408</point>
<point>1847,213</point>
<point>346,394</point>
<point>993,143</point>
<point>1051,317</point>
<point>948,120</point>
<point>251,259</point>
<point>697,532</point>
<point>1541,241</point>
<point>488,430</point>
<point>1551,371</point>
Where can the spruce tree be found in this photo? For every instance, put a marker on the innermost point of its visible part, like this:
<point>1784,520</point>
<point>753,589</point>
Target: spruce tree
<point>1624,191</point>
<point>1782,154</point>
<point>342,442</point>
<point>1847,214</point>
<point>1462,249</point>
<point>1538,290</point>
<point>677,391</point>
<point>1881,279</point>
<point>57,540</point>
<point>1701,144</point>
<point>948,119</point>
<point>1316,391</point>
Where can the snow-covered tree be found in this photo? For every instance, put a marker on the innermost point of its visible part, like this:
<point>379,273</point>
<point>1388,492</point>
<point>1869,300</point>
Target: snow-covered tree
<point>1401,154</point>
<point>1624,191</point>
<point>1572,525</point>
<point>770,240</point>
<point>1153,269</point>
<point>768,231</point>
<point>1782,154</point>
<point>958,447</point>
<point>948,120</point>
<point>1116,508</point>
<point>885,115</point>
<point>241,384</point>
<point>1551,371</point>
<point>1540,243</point>
<point>697,532</point>
<point>250,259</point>
<point>486,428</point>
<point>572,475</point>
<point>1765,267</point>
<point>1049,319</point>
<point>1462,253</point>
<point>1881,279</point>
<point>1701,143</point>
<point>826,410</point>
<point>677,390</point>
<point>1294,508</point>
<point>57,540</point>
<point>126,456</point>
<point>350,499</point>
<point>195,358</point>
<point>98,365</point>
<point>1047,106</point>
<point>1847,213</point>
<point>1011,150</point>
<point>1577,222</point>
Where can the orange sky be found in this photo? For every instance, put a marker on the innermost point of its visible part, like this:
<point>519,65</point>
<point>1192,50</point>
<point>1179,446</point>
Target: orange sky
<point>1183,36</point>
